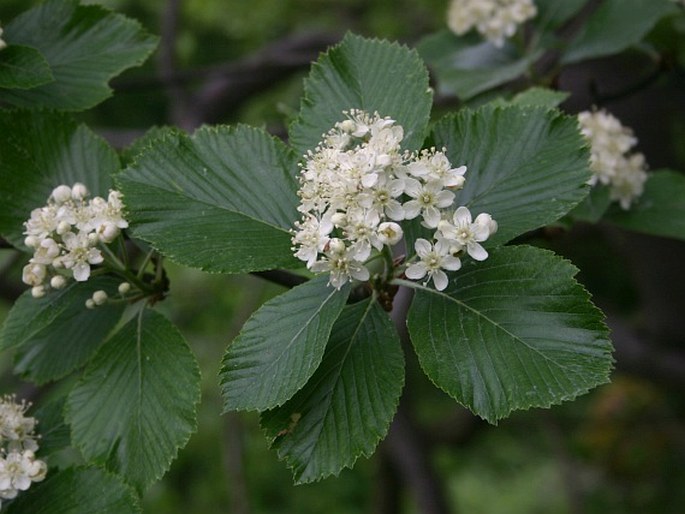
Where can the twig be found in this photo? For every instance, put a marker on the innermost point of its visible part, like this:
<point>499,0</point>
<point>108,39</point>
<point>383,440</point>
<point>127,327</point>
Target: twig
<point>166,62</point>
<point>404,446</point>
<point>281,277</point>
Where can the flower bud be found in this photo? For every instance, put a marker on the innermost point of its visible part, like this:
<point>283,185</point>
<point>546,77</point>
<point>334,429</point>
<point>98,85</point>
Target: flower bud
<point>38,291</point>
<point>58,282</point>
<point>389,233</point>
<point>79,191</point>
<point>90,304</point>
<point>108,232</point>
<point>61,193</point>
<point>124,287</point>
<point>335,245</point>
<point>31,241</point>
<point>99,297</point>
<point>348,126</point>
<point>63,227</point>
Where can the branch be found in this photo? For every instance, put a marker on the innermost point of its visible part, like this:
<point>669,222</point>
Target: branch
<point>227,88</point>
<point>281,277</point>
<point>166,62</point>
<point>404,446</point>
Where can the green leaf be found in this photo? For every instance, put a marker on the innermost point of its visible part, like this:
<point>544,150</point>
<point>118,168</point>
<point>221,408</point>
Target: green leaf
<point>85,46</point>
<point>136,403</point>
<point>614,26</point>
<point>23,67</point>
<point>527,166</point>
<point>593,207</point>
<point>552,14</point>
<point>57,333</point>
<point>540,97</point>
<point>280,346</point>
<point>467,66</point>
<point>222,200</point>
<point>38,152</point>
<point>53,430</point>
<point>364,74</point>
<point>77,491</point>
<point>346,407</point>
<point>660,211</point>
<point>513,332</point>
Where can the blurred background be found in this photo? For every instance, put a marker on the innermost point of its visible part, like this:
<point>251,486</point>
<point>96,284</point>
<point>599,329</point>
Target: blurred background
<point>619,449</point>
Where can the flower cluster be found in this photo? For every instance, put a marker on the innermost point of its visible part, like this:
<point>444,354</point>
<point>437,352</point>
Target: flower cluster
<point>18,464</point>
<point>65,235</point>
<point>358,183</point>
<point>611,160</point>
<point>496,20</point>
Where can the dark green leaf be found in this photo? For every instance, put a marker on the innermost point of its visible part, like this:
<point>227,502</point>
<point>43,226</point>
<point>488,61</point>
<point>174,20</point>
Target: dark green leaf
<point>77,491</point>
<point>527,166</point>
<point>513,332</point>
<point>552,14</point>
<point>346,407</point>
<point>364,74</point>
<point>38,152</point>
<point>57,333</point>
<point>136,403</point>
<point>541,97</point>
<point>53,430</point>
<point>660,211</point>
<point>615,26</point>
<point>23,67</point>
<point>222,200</point>
<point>467,66</point>
<point>85,46</point>
<point>280,346</point>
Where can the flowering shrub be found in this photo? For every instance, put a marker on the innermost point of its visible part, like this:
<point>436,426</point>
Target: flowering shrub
<point>396,211</point>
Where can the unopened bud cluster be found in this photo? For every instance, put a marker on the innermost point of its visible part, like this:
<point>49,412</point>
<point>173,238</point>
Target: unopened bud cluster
<point>19,467</point>
<point>496,20</point>
<point>358,183</point>
<point>65,235</point>
<point>611,159</point>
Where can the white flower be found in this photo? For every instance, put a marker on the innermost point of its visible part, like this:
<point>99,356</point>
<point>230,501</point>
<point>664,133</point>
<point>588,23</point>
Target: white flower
<point>434,259</point>
<point>80,255</point>
<point>341,264</point>
<point>311,238</point>
<point>65,232</point>
<point>496,20</point>
<point>464,233</point>
<point>350,195</point>
<point>434,165</point>
<point>17,470</point>
<point>428,199</point>
<point>16,429</point>
<point>628,184</point>
<point>611,162</point>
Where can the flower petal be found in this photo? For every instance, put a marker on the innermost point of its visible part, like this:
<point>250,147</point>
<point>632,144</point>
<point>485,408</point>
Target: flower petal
<point>416,271</point>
